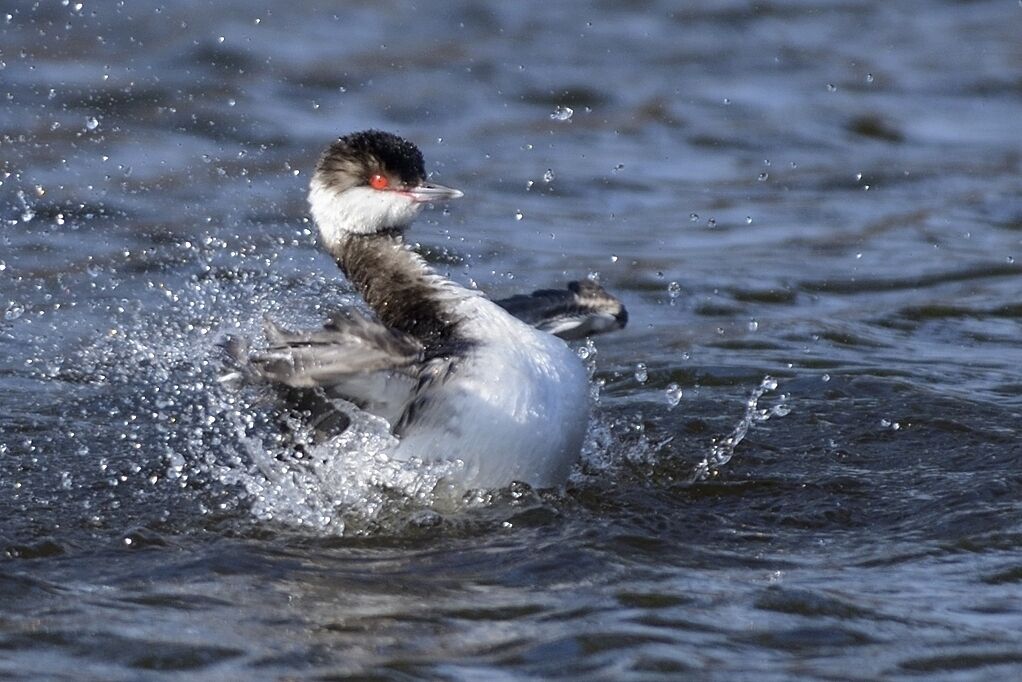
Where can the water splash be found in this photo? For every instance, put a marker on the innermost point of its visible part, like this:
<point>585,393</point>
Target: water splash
<point>722,451</point>
<point>222,448</point>
<point>562,113</point>
<point>641,373</point>
<point>347,485</point>
<point>673,395</point>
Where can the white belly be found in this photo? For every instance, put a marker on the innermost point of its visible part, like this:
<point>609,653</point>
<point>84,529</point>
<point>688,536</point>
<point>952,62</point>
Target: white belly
<point>514,409</point>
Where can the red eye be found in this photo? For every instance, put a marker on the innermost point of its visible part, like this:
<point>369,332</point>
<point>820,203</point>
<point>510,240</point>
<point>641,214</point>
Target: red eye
<point>379,181</point>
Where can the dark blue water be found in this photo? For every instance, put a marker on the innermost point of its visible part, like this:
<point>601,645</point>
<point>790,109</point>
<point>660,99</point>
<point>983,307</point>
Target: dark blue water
<point>823,193</point>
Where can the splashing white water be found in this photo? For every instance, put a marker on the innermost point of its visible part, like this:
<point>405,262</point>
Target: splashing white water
<point>161,370</point>
<point>343,485</point>
<point>722,451</point>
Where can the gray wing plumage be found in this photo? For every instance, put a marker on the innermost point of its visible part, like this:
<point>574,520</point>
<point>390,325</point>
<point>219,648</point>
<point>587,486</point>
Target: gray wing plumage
<point>583,309</point>
<point>351,358</point>
<point>343,347</point>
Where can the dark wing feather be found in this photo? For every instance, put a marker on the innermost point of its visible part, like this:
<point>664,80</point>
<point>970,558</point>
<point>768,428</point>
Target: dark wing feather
<point>583,309</point>
<point>343,347</point>
<point>352,358</point>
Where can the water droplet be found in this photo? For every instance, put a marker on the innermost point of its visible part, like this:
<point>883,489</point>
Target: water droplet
<point>519,215</point>
<point>562,113</point>
<point>727,100</point>
<point>3,266</point>
<point>858,256</point>
<point>221,39</point>
<point>748,220</point>
<point>673,290</point>
<point>831,87</point>
<point>825,378</point>
<point>619,167</point>
<point>641,373</point>
<point>1011,260</point>
<point>27,215</point>
<point>858,177</point>
<point>613,259</point>
<point>693,217</point>
<point>14,311</point>
<point>231,102</point>
<point>869,78</point>
<point>753,325</point>
<point>763,177</point>
<point>528,185</point>
<point>673,394</point>
<point>548,176</point>
<point>92,123</point>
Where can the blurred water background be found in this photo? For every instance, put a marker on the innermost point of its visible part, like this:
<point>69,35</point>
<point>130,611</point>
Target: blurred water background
<point>825,193</point>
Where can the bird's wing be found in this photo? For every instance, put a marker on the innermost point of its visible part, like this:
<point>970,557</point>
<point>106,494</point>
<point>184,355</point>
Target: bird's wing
<point>352,358</point>
<point>345,346</point>
<point>583,309</point>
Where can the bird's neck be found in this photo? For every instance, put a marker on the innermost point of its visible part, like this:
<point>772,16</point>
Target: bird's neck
<point>400,287</point>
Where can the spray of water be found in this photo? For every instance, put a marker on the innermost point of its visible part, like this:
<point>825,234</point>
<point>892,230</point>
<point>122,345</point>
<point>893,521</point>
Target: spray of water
<point>723,450</point>
<point>163,370</point>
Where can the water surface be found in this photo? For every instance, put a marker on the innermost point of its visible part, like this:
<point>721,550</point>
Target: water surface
<point>827,195</point>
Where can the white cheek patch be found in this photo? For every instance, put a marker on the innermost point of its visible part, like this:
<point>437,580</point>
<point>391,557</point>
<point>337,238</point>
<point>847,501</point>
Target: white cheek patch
<point>358,210</point>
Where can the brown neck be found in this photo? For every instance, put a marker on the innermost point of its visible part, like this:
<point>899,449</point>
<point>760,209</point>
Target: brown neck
<point>398,286</point>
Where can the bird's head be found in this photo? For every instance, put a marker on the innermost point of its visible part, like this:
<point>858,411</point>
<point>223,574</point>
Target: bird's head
<point>370,182</point>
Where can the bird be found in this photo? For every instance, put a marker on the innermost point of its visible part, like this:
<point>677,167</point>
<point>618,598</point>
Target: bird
<point>491,386</point>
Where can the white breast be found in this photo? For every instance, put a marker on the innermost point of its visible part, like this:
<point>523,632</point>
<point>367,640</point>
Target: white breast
<point>514,409</point>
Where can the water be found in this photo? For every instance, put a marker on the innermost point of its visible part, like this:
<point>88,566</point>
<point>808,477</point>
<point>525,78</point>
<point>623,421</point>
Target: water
<point>153,160</point>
